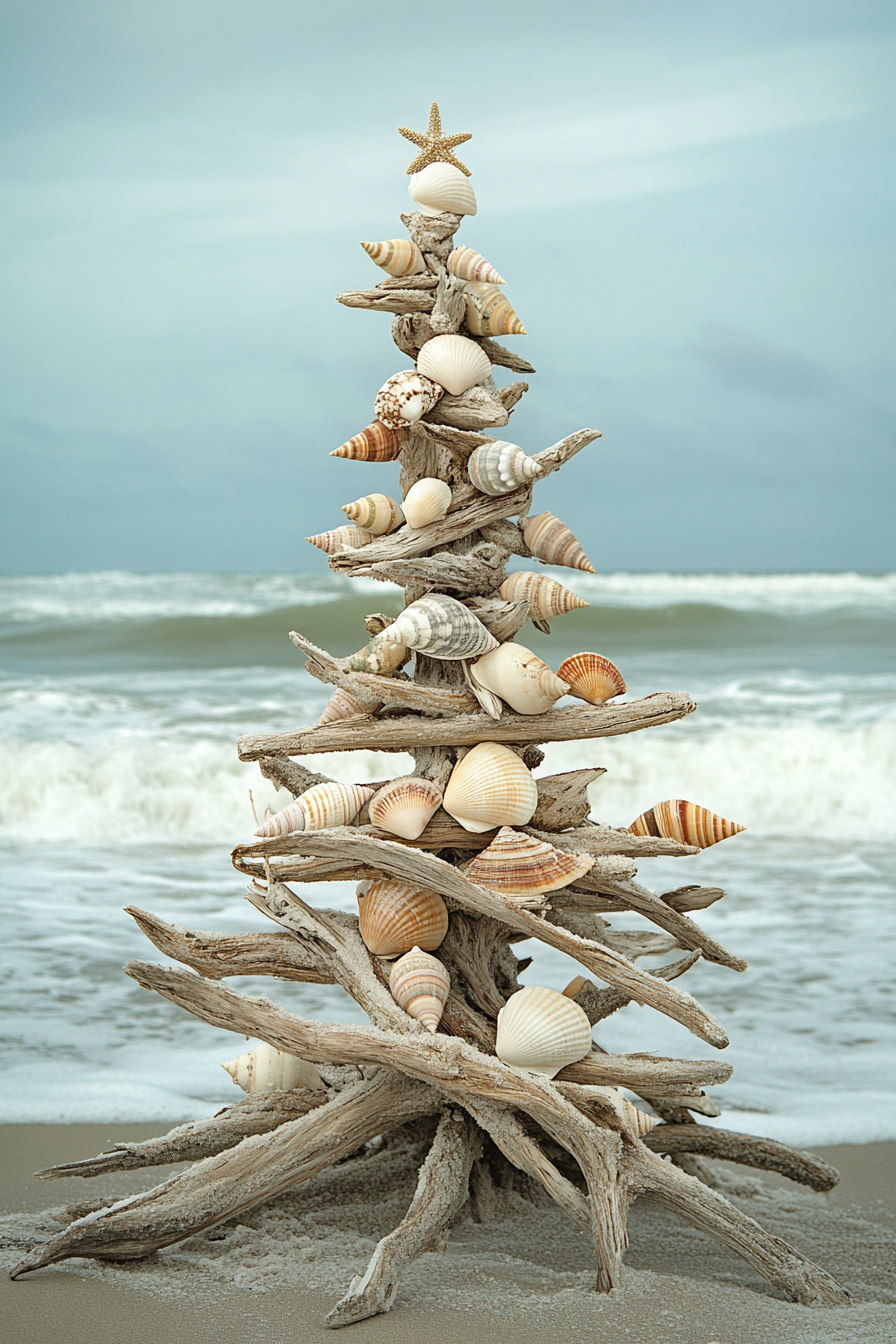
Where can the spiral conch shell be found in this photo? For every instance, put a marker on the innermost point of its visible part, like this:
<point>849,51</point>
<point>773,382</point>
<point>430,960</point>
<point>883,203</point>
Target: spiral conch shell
<point>440,627</point>
<point>489,312</point>
<point>341,705</point>
<point>490,787</point>
<point>551,541</point>
<point>546,597</point>
<point>397,256</point>
<point>426,502</point>
<point>469,265</point>
<point>265,1069</point>
<point>498,467</point>
<point>440,188</point>
<point>520,677</point>
<point>420,985</point>
<point>689,823</point>
<point>340,539</point>
<point>382,656</point>
<point>543,1031</point>
<point>454,362</point>
<point>375,514</point>
<point>318,809</point>
<point>375,443</point>
<point>404,398</point>
<point>592,677</point>
<point>405,807</point>
<point>394,917</point>
<point>521,867</point>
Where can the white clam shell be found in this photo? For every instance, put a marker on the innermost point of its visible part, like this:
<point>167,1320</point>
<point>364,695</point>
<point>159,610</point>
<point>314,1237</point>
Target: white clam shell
<point>454,362</point>
<point>543,1031</point>
<point>520,677</point>
<point>498,467</point>
<point>426,502</point>
<point>440,627</point>
<point>440,188</point>
<point>490,787</point>
<point>265,1069</point>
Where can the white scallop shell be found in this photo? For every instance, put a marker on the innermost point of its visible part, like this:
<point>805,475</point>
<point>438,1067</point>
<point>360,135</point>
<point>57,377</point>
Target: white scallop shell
<point>266,1069</point>
<point>426,502</point>
<point>440,627</point>
<point>498,467</point>
<point>454,362</point>
<point>439,188</point>
<point>520,677</point>
<point>543,1031</point>
<point>490,787</point>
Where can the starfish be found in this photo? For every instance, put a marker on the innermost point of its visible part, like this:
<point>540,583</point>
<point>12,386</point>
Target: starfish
<point>435,147</point>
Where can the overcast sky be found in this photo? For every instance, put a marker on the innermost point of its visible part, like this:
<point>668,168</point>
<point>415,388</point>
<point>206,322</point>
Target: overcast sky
<point>692,204</point>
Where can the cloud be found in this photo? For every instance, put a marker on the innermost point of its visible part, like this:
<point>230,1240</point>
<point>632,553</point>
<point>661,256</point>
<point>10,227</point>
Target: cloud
<point>742,360</point>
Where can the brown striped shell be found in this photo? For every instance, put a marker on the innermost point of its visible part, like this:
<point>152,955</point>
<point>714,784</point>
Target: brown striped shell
<point>686,822</point>
<point>469,265</point>
<point>541,1030</point>
<point>404,398</point>
<point>394,917</point>
<point>341,705</point>
<point>319,808</point>
<point>592,677</point>
<point>375,443</point>
<point>551,541</point>
<point>520,866</point>
<point>376,514</point>
<point>340,539</point>
<point>420,985</point>
<point>546,597</point>
<point>490,787</point>
<point>396,256</point>
<point>489,312</point>
<point>520,677</point>
<point>405,806</point>
<point>441,627</point>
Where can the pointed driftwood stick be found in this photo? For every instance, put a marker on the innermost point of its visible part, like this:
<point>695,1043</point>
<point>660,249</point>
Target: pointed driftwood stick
<point>378,690</point>
<point>747,1149</point>
<point>481,570</point>
<point>601,1003</point>
<point>389,301</point>
<point>218,955</point>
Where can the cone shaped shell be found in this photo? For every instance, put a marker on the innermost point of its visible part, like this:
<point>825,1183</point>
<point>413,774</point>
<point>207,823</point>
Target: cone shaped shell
<point>441,627</point>
<point>592,677</point>
<point>439,188</point>
<point>341,705</point>
<point>454,362</point>
<point>319,808</point>
<point>394,917</point>
<point>551,541</point>
<point>405,807</point>
<point>688,822</point>
<point>426,502</point>
<point>375,514</point>
<point>469,265</point>
<point>490,787</point>
<point>640,1121</point>
<point>340,539</point>
<point>520,677</point>
<point>498,467</point>
<point>383,656</point>
<point>397,256</point>
<point>542,1030</point>
<point>546,597</point>
<point>420,985</point>
<point>375,443</point>
<point>404,398</point>
<point>518,865</point>
<point>290,818</point>
<point>265,1069</point>
<point>489,312</point>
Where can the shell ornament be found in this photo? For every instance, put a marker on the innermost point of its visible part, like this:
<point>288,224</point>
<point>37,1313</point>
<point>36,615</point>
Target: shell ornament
<point>420,985</point>
<point>341,705</point>
<point>469,265</point>
<point>686,822</point>
<point>265,1069</point>
<point>520,677</point>
<point>427,501</point>
<point>394,917</point>
<point>546,597</point>
<point>375,514</point>
<point>405,398</point>
<point>498,467</point>
<point>489,312</point>
<point>440,627</point>
<point>543,1031</point>
<point>552,542</point>
<point>454,362</point>
<point>382,656</point>
<point>375,443</point>
<point>521,867</point>
<point>318,809</point>
<point>397,256</point>
<point>406,806</point>
<point>340,539</point>
<point>490,787</point>
<point>439,188</point>
<point>592,677</point>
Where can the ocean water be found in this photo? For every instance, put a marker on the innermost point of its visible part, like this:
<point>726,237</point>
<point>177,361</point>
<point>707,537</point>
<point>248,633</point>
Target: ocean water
<point>121,697</point>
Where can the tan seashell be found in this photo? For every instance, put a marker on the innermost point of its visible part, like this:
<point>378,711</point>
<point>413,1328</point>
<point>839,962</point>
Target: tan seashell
<point>469,265</point>
<point>490,787</point>
<point>289,819</point>
<point>427,501</point>
<point>519,866</point>
<point>394,917</point>
<point>341,705</point>
<point>375,443</point>
<point>454,362</point>
<point>404,398</point>
<point>640,1121</point>
<point>405,807</point>
<point>543,1031</point>
<point>318,809</point>
<point>489,312</point>
<point>520,677</point>
<point>592,677</point>
<point>440,188</point>
<point>397,256</point>
<point>340,539</point>
<point>420,985</point>
<point>551,541</point>
<point>383,656</point>
<point>376,514</point>
<point>689,823</point>
<point>266,1069</point>
<point>441,627</point>
<point>498,467</point>
<point>546,597</point>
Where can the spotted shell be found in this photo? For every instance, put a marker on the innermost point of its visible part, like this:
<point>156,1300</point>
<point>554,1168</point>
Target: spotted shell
<point>397,256</point>
<point>498,467</point>
<point>592,677</point>
<point>490,787</point>
<point>394,917</point>
<point>426,502</point>
<point>340,539</point>
<point>404,398</point>
<point>375,443</point>
<point>266,1069</point>
<point>541,1030</point>
<point>420,985</point>
<point>520,677</point>
<point>319,808</point>
<point>546,597</point>
<point>441,627</point>
<point>489,312</point>
<point>689,823</point>
<point>521,867</point>
<point>406,806</point>
<point>440,188</point>
<point>454,362</point>
<point>551,541</point>
<point>469,265</point>
<point>376,514</point>
<point>341,705</point>
<point>383,656</point>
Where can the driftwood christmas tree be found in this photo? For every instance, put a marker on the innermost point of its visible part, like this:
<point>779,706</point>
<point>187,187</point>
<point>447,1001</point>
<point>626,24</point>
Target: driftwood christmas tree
<point>456,862</point>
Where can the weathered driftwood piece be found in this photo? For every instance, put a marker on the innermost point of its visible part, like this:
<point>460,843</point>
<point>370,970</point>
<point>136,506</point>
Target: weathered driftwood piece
<point>479,570</point>
<point>601,1003</point>
<point>389,301</point>
<point>504,358</point>
<point>746,1149</point>
<point>378,690</point>
<point>217,955</point>
<point>684,899</point>
<point>478,408</point>
<point>687,934</point>
<point>563,800</point>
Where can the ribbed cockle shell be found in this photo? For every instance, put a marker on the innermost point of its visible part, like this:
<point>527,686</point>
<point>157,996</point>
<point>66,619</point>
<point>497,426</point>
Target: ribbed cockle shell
<point>546,597</point>
<point>340,539</point>
<point>265,1069</point>
<point>490,787</point>
<point>469,265</point>
<point>341,705</point>
<point>520,677</point>
<point>394,917</point>
<point>375,514</point>
<point>404,398</point>
<point>383,656</point>
<point>426,502</point>
<point>441,627</point>
<point>498,467</point>
<point>375,443</point>
<point>541,1030</point>
<point>420,985</point>
<point>454,362</point>
<point>521,867</point>
<point>406,806</point>
<point>689,823</point>
<point>489,312</point>
<point>551,541</point>
<point>439,188</point>
<point>397,256</point>
<point>592,677</point>
<point>318,809</point>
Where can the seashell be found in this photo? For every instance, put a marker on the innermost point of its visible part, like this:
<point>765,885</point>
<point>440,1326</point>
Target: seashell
<point>490,787</point>
<point>397,256</point>
<point>498,467</point>
<point>469,265</point>
<point>318,809</point>
<point>394,917</point>
<point>375,514</point>
<point>441,627</point>
<point>405,807</point>
<point>591,677</point>
<point>489,312</point>
<point>265,1069</point>
<point>518,865</point>
<point>520,677</point>
<point>640,1121</point>
<point>546,597</point>
<point>688,822</point>
<point>341,705</point>
<point>340,539</point>
<point>375,443</point>
<point>551,541</point>
<point>420,985</point>
<point>454,362</point>
<point>427,501</point>
<point>404,398</point>
<point>290,818</point>
<point>440,188</point>
<point>382,656</point>
<point>543,1031</point>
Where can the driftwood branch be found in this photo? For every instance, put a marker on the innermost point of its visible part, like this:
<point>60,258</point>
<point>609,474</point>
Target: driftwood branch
<point>216,955</point>
<point>480,570</point>
<point>389,300</point>
<point>745,1149</point>
<point>632,896</point>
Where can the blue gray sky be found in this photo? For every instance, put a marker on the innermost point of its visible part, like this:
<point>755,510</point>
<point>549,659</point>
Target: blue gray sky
<point>692,204</point>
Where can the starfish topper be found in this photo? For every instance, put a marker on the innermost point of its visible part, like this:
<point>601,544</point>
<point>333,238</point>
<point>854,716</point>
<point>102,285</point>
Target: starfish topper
<point>433,145</point>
